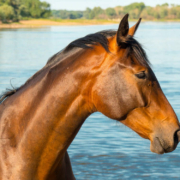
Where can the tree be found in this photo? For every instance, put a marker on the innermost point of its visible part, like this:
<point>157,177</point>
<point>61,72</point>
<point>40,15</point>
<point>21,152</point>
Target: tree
<point>16,9</point>
<point>6,13</point>
<point>139,6</point>
<point>23,11</point>
<point>134,14</point>
<point>45,9</point>
<point>87,13</point>
<point>110,12</point>
<point>173,11</point>
<point>15,4</point>
<point>165,5</point>
<point>63,14</point>
<point>95,12</point>
<point>163,12</point>
<point>134,9</point>
<point>35,8</point>
<point>92,15</point>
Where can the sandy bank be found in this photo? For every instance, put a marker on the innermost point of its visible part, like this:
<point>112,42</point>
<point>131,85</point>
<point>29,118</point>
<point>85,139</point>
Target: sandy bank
<point>35,23</point>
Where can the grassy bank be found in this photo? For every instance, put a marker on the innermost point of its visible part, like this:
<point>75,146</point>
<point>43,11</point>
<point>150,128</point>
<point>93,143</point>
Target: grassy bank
<point>35,23</point>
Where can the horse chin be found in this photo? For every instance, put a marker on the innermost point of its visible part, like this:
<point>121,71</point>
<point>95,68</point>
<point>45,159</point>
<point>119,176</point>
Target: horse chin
<point>156,146</point>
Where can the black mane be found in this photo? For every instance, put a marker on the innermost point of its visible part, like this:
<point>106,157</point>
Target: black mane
<point>86,42</point>
<point>133,47</point>
<point>92,39</point>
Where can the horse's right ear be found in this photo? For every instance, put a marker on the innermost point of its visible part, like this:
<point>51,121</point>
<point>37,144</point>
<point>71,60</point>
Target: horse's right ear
<point>123,30</point>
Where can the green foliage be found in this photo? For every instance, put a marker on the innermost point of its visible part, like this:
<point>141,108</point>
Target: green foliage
<point>110,12</point>
<point>95,12</point>
<point>135,10</point>
<point>165,5</point>
<point>45,9</point>
<point>64,14</point>
<point>25,8</point>
<point>14,10</point>
<point>6,13</point>
<point>36,9</point>
<point>163,13</point>
<point>139,6</point>
<point>87,13</point>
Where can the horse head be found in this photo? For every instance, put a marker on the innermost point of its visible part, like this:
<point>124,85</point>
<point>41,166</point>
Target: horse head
<point>127,90</point>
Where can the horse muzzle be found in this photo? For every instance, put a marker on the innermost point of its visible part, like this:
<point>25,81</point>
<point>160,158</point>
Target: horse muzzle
<point>161,145</point>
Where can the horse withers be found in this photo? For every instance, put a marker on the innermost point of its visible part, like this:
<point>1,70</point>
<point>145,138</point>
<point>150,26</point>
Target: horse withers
<point>107,72</point>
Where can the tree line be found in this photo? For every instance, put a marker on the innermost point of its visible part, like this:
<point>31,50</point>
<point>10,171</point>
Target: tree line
<point>15,10</point>
<point>135,10</point>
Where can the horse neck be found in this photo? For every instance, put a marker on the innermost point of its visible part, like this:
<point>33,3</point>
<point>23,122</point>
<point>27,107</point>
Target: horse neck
<point>46,123</point>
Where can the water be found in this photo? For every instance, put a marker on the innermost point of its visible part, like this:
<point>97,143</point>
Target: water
<point>103,149</point>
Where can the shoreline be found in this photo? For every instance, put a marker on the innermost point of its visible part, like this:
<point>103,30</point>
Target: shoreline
<point>37,23</point>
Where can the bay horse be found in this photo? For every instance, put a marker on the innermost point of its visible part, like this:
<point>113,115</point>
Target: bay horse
<point>107,71</point>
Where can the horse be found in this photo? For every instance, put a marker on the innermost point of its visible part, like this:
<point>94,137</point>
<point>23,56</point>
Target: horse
<point>107,71</point>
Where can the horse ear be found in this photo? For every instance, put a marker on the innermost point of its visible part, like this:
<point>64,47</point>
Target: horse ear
<point>133,29</point>
<point>123,30</point>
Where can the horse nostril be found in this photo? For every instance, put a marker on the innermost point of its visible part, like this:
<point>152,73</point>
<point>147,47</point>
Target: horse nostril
<point>178,135</point>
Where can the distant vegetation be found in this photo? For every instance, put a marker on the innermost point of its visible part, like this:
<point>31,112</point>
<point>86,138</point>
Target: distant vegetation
<point>15,10</point>
<point>135,10</point>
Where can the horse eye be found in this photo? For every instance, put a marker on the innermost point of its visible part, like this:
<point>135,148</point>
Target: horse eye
<point>141,75</point>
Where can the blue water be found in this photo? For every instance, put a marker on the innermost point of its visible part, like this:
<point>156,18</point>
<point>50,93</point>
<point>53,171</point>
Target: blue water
<point>103,149</point>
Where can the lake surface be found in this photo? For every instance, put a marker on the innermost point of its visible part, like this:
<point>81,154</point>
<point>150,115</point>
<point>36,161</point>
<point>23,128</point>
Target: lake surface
<point>103,149</point>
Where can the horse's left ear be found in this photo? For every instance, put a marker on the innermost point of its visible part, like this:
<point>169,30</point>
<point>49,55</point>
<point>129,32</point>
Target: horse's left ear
<point>123,30</point>
<point>133,29</point>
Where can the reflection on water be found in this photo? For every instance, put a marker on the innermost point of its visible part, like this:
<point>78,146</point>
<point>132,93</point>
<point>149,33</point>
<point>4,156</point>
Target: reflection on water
<point>103,149</point>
